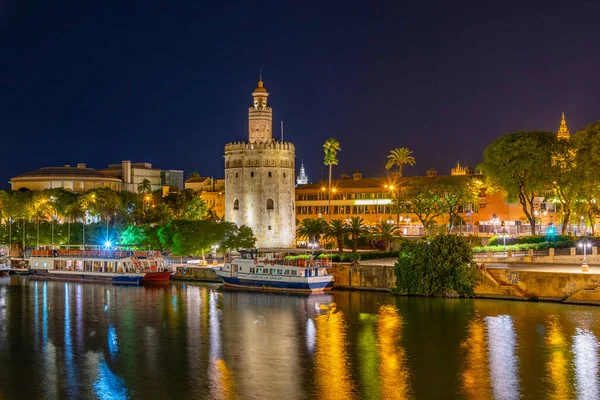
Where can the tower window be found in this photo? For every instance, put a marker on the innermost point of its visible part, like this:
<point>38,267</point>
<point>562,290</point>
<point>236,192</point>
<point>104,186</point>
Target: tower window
<point>270,175</point>
<point>270,204</point>
<point>236,174</point>
<point>284,175</point>
<point>236,204</point>
<point>252,174</point>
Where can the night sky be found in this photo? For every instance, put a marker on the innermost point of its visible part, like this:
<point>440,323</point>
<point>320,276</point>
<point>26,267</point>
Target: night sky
<point>170,82</point>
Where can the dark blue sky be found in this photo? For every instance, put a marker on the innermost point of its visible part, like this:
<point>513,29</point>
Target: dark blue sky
<point>170,82</point>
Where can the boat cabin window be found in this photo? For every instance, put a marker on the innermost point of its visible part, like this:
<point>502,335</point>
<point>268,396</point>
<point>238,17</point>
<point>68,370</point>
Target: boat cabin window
<point>279,272</point>
<point>294,272</point>
<point>286,272</point>
<point>272,271</point>
<point>251,270</point>
<point>258,271</point>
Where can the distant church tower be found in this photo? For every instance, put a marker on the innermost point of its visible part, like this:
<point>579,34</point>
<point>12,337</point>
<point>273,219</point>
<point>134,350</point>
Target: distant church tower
<point>563,130</point>
<point>259,179</point>
<point>302,178</point>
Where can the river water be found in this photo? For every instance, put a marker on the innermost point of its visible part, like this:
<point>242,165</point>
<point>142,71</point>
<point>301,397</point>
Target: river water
<point>195,341</point>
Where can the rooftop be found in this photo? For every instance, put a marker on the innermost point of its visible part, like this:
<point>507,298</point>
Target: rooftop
<point>66,171</point>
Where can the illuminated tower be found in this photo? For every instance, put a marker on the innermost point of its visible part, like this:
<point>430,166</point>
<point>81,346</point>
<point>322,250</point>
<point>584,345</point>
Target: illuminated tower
<point>302,178</point>
<point>259,179</point>
<point>563,130</point>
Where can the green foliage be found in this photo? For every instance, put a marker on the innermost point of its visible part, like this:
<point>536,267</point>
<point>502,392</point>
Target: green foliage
<point>399,157</point>
<point>498,240</point>
<point>526,246</point>
<point>520,165</point>
<point>441,266</point>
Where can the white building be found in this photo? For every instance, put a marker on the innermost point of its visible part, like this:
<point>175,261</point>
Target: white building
<point>259,179</point>
<point>302,178</point>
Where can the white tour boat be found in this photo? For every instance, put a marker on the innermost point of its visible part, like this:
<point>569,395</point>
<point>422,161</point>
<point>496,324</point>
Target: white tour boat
<point>272,271</point>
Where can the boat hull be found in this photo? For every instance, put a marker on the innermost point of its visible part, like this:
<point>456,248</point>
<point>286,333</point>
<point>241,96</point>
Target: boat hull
<point>80,276</point>
<point>284,286</point>
<point>157,276</point>
<point>4,272</point>
<point>23,271</point>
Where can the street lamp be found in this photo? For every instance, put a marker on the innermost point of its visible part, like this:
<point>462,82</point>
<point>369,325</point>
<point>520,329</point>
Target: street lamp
<point>214,248</point>
<point>585,244</point>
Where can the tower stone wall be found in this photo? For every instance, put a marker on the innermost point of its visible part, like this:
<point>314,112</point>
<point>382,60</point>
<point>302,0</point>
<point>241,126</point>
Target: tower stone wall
<point>259,180</point>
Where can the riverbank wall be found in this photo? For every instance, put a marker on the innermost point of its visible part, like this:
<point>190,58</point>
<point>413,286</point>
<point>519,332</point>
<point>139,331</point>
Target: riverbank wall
<point>200,274</point>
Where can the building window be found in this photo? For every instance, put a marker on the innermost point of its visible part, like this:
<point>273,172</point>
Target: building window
<point>270,174</point>
<point>252,174</point>
<point>270,204</point>
<point>236,174</point>
<point>236,204</point>
<point>284,175</point>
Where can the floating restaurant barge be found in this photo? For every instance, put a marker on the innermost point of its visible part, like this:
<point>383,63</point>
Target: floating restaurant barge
<point>114,266</point>
<point>274,271</point>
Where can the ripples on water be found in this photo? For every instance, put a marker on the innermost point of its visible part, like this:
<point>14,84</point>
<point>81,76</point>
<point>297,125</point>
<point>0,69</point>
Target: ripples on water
<point>67,340</point>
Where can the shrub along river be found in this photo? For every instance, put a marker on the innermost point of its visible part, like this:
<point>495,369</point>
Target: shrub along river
<point>180,341</point>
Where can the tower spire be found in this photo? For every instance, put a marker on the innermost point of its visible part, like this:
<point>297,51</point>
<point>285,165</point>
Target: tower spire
<point>563,129</point>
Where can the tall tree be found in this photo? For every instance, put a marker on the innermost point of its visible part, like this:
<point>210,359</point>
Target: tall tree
<point>331,148</point>
<point>399,157</point>
<point>519,164</point>
<point>422,200</point>
<point>567,179</point>
<point>356,230</point>
<point>337,229</point>
<point>454,193</point>
<point>144,186</point>
<point>587,143</point>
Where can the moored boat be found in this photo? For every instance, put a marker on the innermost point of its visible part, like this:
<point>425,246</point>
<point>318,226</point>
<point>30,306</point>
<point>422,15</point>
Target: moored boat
<point>113,266</point>
<point>4,266</point>
<point>274,271</point>
<point>19,266</point>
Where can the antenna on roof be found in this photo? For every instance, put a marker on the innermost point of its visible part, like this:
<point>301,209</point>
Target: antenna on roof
<point>282,131</point>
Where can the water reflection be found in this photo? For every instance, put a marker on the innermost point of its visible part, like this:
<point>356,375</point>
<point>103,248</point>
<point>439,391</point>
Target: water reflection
<point>475,377</point>
<point>331,358</point>
<point>559,361</point>
<point>62,340</point>
<point>585,352</point>
<point>503,360</point>
<point>392,368</point>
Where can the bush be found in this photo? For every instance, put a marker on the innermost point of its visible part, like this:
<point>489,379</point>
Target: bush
<point>442,266</point>
<point>498,240</point>
<point>526,246</point>
<point>349,257</point>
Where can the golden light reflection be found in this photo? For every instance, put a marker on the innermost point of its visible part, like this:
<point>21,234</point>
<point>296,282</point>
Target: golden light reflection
<point>226,382</point>
<point>559,360</point>
<point>392,359</point>
<point>475,377</point>
<point>331,359</point>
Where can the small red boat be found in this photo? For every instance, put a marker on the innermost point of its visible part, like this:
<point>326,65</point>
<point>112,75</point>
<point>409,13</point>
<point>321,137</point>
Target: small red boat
<point>157,276</point>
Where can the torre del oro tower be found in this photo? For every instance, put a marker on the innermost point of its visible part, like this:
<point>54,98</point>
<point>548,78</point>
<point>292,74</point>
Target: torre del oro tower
<point>259,179</point>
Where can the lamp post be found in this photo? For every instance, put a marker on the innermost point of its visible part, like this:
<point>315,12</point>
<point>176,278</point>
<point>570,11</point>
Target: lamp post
<point>585,244</point>
<point>503,233</point>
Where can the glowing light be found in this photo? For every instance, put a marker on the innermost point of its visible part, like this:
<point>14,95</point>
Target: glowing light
<point>107,244</point>
<point>380,202</point>
<point>558,361</point>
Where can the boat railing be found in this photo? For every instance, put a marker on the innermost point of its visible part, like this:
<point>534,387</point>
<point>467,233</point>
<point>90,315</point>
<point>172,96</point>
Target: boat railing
<point>302,263</point>
<point>117,254</point>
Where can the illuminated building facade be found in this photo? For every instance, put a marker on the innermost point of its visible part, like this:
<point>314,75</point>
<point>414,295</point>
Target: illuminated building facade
<point>211,190</point>
<point>259,179</point>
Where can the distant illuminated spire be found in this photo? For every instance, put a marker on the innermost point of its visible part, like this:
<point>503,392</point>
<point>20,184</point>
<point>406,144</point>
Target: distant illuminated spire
<point>302,178</point>
<point>563,130</point>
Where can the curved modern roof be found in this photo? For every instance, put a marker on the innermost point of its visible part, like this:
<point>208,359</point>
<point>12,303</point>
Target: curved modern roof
<point>67,172</point>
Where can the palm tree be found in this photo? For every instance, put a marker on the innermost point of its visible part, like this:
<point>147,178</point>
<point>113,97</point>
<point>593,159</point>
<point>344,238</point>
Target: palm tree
<point>311,229</point>
<point>144,186</point>
<point>399,157</point>
<point>356,229</point>
<point>331,148</point>
<point>386,232</point>
<point>337,229</point>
